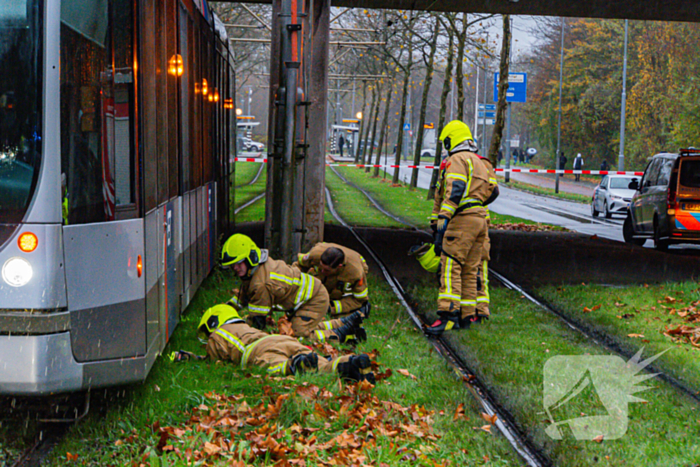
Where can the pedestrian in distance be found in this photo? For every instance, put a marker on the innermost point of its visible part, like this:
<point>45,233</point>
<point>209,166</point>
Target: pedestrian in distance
<point>562,162</point>
<point>604,166</point>
<point>341,143</point>
<point>343,272</point>
<point>229,338</point>
<point>578,165</point>
<point>269,284</point>
<point>458,221</point>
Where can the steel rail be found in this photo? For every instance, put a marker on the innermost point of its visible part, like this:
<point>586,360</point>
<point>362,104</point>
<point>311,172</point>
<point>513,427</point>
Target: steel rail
<point>504,421</point>
<point>597,337</point>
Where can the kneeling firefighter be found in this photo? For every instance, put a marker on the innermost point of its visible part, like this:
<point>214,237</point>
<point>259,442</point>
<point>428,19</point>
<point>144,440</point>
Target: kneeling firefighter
<point>271,284</point>
<point>229,338</point>
<point>458,221</point>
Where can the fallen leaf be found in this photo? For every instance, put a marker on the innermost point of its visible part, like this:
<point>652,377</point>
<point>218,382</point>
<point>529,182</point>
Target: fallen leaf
<point>459,413</point>
<point>71,457</point>
<point>486,428</point>
<point>635,335</point>
<point>489,418</point>
<point>406,373</point>
<point>284,326</point>
<point>156,388</point>
<point>598,439</point>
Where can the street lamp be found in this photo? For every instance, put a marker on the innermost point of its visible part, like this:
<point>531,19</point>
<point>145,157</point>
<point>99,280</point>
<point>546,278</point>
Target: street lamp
<point>358,115</point>
<point>239,112</point>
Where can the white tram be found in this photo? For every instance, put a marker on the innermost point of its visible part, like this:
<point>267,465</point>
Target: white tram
<point>116,131</point>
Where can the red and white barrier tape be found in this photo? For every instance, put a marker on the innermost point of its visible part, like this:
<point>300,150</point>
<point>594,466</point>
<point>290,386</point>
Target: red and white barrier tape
<point>499,170</point>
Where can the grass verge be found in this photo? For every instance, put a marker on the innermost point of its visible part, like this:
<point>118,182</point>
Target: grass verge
<point>538,190</point>
<point>658,317</point>
<point>412,204</point>
<point>509,353</point>
<point>354,206</point>
<point>185,409</point>
<point>245,172</point>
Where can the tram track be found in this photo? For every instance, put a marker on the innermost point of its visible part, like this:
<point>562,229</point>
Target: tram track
<point>504,420</point>
<point>597,337</point>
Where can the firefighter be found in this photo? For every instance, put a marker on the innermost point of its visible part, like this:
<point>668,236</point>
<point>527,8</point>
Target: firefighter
<point>459,223</point>
<point>483,298</point>
<point>229,338</point>
<point>270,284</point>
<point>344,274</point>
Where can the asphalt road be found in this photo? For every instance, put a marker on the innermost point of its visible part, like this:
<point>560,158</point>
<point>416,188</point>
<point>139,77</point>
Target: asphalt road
<point>573,216</point>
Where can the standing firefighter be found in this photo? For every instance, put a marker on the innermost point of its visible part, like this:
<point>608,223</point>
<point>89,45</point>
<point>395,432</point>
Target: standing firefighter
<point>459,222</point>
<point>229,338</point>
<point>271,284</point>
<point>483,298</point>
<point>344,274</point>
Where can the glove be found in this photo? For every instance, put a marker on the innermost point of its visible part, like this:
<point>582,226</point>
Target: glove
<point>257,321</point>
<point>183,356</point>
<point>440,233</point>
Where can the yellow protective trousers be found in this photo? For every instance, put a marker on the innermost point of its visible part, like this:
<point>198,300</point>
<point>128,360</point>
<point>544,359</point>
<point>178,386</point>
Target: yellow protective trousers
<point>276,352</point>
<point>462,250</point>
<point>308,320</point>
<point>483,299</point>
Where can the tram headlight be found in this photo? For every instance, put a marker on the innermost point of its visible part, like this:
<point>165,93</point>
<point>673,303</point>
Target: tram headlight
<point>17,271</point>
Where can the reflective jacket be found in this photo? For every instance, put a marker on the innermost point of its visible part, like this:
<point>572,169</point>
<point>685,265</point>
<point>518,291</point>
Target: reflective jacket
<point>274,284</point>
<point>234,342</point>
<point>465,183</point>
<point>348,288</point>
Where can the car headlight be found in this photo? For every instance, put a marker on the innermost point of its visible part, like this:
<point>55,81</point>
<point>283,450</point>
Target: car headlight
<point>17,271</point>
<point>615,197</point>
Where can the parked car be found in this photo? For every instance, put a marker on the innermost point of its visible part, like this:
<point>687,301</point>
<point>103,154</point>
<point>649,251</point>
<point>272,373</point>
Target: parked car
<point>612,196</point>
<point>666,202</point>
<point>252,146</point>
<point>428,153</point>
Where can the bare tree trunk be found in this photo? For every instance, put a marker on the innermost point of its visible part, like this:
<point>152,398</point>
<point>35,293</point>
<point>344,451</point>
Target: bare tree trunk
<point>362,121</point>
<point>402,113</point>
<point>443,112</point>
<point>367,125</point>
<point>375,120</point>
<point>461,44</point>
<point>383,134</point>
<point>424,103</point>
<point>502,89</point>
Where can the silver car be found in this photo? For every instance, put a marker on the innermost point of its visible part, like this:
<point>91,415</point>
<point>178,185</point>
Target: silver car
<point>612,196</point>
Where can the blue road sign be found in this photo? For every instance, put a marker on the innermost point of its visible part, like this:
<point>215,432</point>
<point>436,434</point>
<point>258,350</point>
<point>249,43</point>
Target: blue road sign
<point>517,87</point>
<point>406,126</point>
<point>487,106</point>
<point>488,114</point>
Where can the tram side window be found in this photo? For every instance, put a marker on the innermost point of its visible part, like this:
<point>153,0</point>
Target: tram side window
<point>97,148</point>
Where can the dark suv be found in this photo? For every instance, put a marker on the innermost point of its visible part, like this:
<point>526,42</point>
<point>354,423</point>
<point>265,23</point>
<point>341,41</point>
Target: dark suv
<point>666,203</point>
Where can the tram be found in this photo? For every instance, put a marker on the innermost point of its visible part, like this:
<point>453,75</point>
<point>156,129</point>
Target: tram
<point>116,132</point>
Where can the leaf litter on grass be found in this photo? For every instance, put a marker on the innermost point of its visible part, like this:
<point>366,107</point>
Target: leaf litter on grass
<point>339,429</point>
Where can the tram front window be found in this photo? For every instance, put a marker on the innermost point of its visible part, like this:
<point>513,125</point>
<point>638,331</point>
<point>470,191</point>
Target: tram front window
<point>20,111</point>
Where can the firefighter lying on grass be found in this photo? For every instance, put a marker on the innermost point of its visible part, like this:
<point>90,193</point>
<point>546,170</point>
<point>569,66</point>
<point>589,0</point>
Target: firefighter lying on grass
<point>229,338</point>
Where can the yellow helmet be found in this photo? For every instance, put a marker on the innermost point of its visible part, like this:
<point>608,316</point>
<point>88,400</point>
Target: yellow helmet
<point>240,247</point>
<point>455,133</point>
<point>215,317</point>
<point>425,254</point>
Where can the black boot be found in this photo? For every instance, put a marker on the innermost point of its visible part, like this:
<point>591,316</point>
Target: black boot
<point>445,322</point>
<point>357,368</point>
<point>345,334</point>
<point>304,362</point>
<point>353,320</point>
<point>365,309</point>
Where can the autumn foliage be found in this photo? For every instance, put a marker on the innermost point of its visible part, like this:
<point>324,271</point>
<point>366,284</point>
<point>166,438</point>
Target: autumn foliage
<point>226,429</point>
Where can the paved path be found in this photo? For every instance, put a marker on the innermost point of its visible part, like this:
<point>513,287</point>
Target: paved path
<point>566,184</point>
